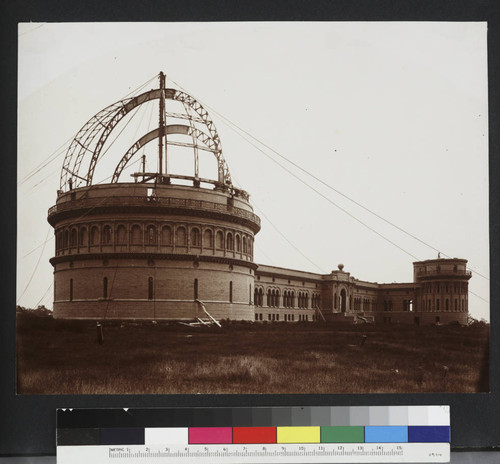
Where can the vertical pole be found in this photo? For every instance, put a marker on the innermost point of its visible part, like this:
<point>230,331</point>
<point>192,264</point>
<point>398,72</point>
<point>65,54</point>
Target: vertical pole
<point>143,164</point>
<point>161,124</point>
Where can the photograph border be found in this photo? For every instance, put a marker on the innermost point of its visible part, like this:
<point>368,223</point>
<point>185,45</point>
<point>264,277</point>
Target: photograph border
<point>28,422</point>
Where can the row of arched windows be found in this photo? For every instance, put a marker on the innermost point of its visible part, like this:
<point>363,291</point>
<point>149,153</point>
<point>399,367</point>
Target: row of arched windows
<point>287,300</point>
<point>454,305</point>
<point>153,236</point>
<point>445,288</point>
<point>367,304</point>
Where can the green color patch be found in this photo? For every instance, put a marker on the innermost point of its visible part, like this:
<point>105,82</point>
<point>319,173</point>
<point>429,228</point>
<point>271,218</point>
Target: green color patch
<point>336,434</point>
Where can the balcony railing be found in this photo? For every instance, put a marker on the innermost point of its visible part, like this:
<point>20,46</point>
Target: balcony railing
<point>153,201</point>
<point>445,272</point>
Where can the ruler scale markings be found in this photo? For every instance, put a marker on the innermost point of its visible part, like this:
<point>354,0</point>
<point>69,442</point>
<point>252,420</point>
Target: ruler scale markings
<point>297,435</point>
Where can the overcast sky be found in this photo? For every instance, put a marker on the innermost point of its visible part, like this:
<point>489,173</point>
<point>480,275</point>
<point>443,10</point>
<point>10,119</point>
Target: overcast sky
<point>393,115</point>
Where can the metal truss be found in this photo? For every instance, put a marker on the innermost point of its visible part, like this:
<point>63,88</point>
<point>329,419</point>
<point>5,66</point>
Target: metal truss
<point>92,137</point>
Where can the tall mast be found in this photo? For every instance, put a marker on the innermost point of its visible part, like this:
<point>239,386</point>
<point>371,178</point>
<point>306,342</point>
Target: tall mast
<point>161,125</point>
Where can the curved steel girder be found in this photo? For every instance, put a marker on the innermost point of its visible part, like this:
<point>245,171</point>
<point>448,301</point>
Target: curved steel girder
<point>105,121</point>
<point>154,134</point>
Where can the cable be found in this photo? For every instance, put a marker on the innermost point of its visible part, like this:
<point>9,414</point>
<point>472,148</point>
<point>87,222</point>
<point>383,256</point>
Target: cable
<point>283,235</point>
<point>323,182</point>
<point>36,267</point>
<point>52,157</point>
<point>45,294</point>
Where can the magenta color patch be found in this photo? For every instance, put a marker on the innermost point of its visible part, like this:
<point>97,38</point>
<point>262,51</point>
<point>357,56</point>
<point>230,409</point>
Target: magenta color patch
<point>210,435</point>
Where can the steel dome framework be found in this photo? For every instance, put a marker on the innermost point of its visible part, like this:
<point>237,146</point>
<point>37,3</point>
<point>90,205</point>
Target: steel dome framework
<point>92,137</point>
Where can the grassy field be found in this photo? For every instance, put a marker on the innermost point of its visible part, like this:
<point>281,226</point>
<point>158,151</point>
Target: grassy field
<point>64,357</point>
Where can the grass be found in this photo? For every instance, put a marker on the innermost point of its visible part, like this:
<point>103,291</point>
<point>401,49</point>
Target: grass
<point>63,357</point>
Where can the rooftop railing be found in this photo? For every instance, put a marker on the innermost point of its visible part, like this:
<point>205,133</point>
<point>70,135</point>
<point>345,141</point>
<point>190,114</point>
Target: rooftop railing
<point>186,203</point>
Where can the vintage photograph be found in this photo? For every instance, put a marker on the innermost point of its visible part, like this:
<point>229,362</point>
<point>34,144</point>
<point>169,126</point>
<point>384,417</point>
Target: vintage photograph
<point>252,208</point>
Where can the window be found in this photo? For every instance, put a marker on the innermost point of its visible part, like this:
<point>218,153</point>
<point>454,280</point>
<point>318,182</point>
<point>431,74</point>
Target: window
<point>180,236</point>
<point>121,235</point>
<point>66,238</point>
<point>437,304</point>
<point>136,235</point>
<point>195,289</point>
<point>245,249</point>
<point>229,241</point>
<point>166,236</point>
<point>70,289</point>
<point>447,304</point>
<point>238,243</point>
<point>72,240</point>
<point>231,292</point>
<point>105,287</point>
<point>94,235</point>
<point>151,235</point>
<point>219,240</point>
<point>106,235</point>
<point>83,236</point>
<point>150,288</point>
<point>207,239</point>
<point>195,237</point>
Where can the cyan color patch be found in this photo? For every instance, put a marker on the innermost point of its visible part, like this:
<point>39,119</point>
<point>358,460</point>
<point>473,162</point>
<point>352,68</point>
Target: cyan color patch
<point>387,434</point>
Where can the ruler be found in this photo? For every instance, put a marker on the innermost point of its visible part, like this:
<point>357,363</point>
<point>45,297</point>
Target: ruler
<point>396,434</point>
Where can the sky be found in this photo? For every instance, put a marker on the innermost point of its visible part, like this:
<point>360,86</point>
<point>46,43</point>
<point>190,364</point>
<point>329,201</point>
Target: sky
<point>392,115</point>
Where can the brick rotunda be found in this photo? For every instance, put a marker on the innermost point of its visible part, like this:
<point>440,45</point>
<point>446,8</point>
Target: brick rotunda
<point>164,246</point>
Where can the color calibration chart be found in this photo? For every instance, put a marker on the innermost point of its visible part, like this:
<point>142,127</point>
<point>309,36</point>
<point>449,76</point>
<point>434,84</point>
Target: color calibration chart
<point>355,434</point>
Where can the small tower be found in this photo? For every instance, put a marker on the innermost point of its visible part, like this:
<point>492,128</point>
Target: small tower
<point>442,296</point>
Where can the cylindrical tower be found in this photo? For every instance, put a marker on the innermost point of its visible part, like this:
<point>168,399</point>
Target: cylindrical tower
<point>444,287</point>
<point>167,246</point>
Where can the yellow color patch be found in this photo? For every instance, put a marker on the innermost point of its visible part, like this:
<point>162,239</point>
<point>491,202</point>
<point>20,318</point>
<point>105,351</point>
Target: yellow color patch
<point>298,435</point>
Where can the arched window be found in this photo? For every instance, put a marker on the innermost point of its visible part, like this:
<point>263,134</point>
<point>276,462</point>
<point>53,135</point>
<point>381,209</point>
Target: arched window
<point>230,291</point>
<point>195,289</point>
<point>150,288</point>
<point>208,239</point>
<point>151,235</point>
<point>269,297</point>
<point>66,238</point>
<point>437,304</point>
<point>195,237</point>
<point>70,289</point>
<point>136,235</point>
<point>256,297</point>
<point>105,287</point>
<point>83,236</point>
<point>106,235</point>
<point>121,235</point>
<point>306,301</point>
<point>238,243</point>
<point>245,250</point>
<point>229,241</point>
<point>292,300</point>
<point>456,304</point>
<point>94,235</point>
<point>72,240</point>
<point>219,240</point>
<point>166,235</point>
<point>180,236</point>
<point>447,304</point>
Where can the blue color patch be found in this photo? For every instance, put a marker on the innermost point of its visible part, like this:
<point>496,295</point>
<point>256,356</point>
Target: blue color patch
<point>429,434</point>
<point>386,434</point>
